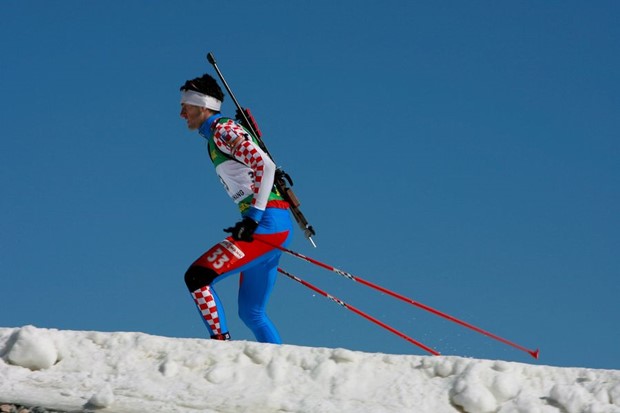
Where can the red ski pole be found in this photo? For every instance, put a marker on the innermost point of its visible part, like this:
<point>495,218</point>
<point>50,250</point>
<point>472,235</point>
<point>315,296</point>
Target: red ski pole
<point>533,353</point>
<point>359,312</point>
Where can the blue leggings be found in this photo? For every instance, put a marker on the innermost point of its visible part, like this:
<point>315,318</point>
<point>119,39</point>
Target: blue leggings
<point>258,264</point>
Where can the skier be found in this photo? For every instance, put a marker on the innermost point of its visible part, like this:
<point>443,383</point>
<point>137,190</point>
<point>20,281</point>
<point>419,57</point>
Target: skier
<point>247,174</point>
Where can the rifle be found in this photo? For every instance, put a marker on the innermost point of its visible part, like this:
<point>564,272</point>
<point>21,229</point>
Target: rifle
<point>283,181</point>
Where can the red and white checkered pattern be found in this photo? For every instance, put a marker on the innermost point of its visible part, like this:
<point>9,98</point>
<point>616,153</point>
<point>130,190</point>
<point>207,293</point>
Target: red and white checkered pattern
<point>206,303</point>
<point>230,138</point>
<point>228,134</point>
<point>249,155</point>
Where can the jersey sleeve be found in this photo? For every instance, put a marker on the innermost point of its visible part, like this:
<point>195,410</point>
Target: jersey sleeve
<point>233,140</point>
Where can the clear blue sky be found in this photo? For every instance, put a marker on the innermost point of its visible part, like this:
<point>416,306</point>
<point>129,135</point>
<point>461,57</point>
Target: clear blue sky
<point>464,154</point>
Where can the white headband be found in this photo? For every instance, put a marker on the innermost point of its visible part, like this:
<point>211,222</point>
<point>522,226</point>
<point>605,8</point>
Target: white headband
<point>198,99</point>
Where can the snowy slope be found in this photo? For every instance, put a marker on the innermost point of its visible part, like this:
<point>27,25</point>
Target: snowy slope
<point>135,372</point>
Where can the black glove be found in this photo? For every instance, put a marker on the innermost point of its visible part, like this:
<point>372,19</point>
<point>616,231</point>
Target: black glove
<point>243,230</point>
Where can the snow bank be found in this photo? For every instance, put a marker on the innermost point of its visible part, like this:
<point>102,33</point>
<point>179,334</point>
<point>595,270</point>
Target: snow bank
<point>135,372</point>
<point>33,349</point>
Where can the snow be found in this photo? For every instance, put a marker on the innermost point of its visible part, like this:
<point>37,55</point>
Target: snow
<point>126,372</point>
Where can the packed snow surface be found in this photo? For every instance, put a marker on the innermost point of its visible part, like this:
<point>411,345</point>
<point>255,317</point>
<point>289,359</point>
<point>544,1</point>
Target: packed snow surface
<point>136,372</point>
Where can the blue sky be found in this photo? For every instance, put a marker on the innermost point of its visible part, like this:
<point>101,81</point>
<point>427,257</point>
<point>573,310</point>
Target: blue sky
<point>463,154</point>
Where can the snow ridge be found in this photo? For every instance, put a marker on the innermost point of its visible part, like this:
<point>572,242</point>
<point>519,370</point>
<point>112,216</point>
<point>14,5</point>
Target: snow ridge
<point>136,372</point>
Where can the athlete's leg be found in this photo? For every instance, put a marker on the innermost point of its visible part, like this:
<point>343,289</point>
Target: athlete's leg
<point>257,281</point>
<point>199,281</point>
<point>255,288</point>
<point>222,260</point>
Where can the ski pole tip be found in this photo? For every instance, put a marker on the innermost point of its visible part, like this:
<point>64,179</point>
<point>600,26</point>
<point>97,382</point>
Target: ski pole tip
<point>535,353</point>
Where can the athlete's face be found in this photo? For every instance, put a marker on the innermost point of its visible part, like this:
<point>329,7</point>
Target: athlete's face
<point>194,115</point>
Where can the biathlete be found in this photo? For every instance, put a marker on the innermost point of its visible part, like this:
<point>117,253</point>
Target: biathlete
<point>247,174</point>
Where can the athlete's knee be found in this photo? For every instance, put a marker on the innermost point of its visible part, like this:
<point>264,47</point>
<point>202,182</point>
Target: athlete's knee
<point>197,277</point>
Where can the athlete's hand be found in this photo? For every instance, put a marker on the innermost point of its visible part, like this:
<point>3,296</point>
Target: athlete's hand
<point>243,230</point>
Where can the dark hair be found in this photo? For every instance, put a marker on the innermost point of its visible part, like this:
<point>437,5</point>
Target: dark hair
<point>206,85</point>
